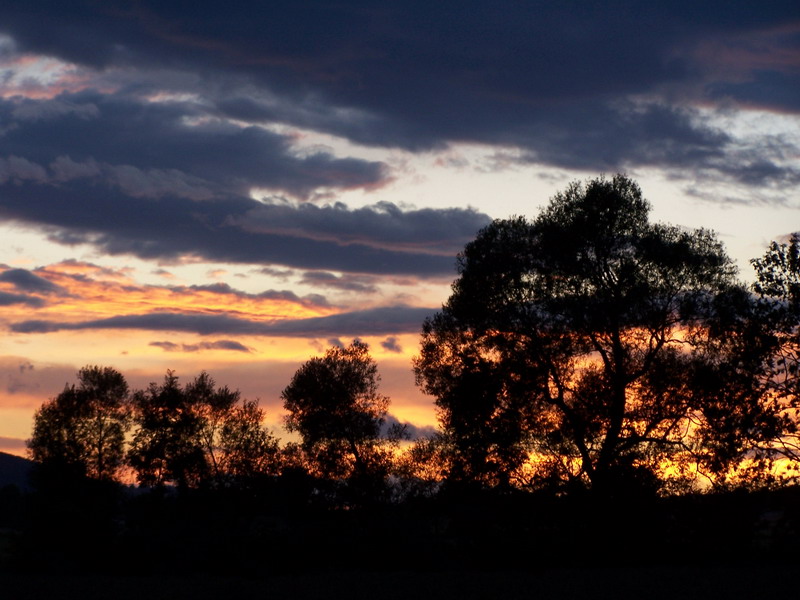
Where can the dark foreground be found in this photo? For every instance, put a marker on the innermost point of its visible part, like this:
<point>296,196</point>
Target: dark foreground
<point>675,583</point>
<point>93,541</point>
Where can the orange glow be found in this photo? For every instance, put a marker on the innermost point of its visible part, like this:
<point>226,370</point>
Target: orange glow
<point>36,366</point>
<point>91,292</point>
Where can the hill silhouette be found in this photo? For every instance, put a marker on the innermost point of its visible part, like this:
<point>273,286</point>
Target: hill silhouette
<point>14,470</point>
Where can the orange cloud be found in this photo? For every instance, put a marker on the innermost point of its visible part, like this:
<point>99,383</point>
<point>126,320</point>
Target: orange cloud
<point>87,291</point>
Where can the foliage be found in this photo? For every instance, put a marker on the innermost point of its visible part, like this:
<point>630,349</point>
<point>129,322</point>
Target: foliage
<point>592,346</point>
<point>778,286</point>
<point>334,404</point>
<point>248,450</point>
<point>197,434</point>
<point>82,430</point>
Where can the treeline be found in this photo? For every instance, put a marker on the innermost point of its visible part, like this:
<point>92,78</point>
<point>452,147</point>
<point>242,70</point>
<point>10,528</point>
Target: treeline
<point>587,349</point>
<point>187,436</point>
<point>588,362</point>
<point>200,436</point>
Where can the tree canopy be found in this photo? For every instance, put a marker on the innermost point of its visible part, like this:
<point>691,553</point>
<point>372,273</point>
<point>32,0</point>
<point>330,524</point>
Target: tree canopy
<point>591,346</point>
<point>198,434</point>
<point>82,430</point>
<point>334,404</point>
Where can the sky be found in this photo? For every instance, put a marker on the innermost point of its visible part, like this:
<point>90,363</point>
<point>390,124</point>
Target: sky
<point>237,187</point>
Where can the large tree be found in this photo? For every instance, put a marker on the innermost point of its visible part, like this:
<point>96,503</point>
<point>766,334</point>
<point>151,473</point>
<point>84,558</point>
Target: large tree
<point>592,346</point>
<point>82,430</point>
<point>334,404</point>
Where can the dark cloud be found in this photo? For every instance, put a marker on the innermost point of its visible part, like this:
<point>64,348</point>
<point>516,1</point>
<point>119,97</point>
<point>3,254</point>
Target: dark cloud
<point>166,346</point>
<point>376,321</point>
<point>158,181</point>
<point>391,344</point>
<point>25,281</point>
<point>19,376</point>
<point>171,117</point>
<point>284,295</point>
<point>8,299</point>
<point>553,78</point>
<point>282,274</point>
<point>381,225</point>
<point>157,149</point>
<point>218,345</point>
<point>346,282</point>
<point>172,228</point>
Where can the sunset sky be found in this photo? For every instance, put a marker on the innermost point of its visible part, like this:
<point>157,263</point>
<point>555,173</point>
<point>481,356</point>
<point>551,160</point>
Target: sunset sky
<point>235,187</point>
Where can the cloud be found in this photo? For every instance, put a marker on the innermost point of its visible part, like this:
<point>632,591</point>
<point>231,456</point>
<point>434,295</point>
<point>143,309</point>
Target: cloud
<point>45,110</point>
<point>223,289</point>
<point>174,228</point>
<point>8,299</point>
<point>375,321</point>
<point>381,225</point>
<point>169,148</point>
<point>218,345</point>
<point>88,294</point>
<point>31,381</point>
<point>391,344</point>
<point>26,281</point>
<point>554,79</point>
<point>347,282</point>
<point>14,169</point>
<point>161,123</point>
<point>282,274</point>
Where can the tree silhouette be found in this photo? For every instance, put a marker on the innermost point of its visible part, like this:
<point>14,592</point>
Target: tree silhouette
<point>197,434</point>
<point>778,285</point>
<point>82,430</point>
<point>334,404</point>
<point>593,346</point>
<point>778,312</point>
<point>167,446</point>
<point>247,449</point>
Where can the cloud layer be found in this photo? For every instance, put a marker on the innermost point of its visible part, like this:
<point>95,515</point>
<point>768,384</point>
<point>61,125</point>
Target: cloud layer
<point>145,128</point>
<point>561,80</point>
<point>376,321</point>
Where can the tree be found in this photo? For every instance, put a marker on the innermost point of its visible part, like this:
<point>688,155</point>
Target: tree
<point>82,430</point>
<point>334,404</point>
<point>197,434</point>
<point>248,450</point>
<point>778,288</point>
<point>588,346</point>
